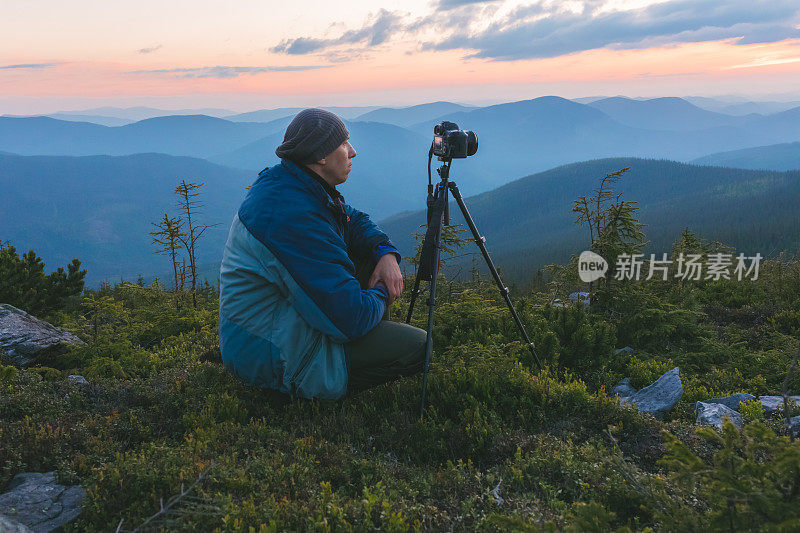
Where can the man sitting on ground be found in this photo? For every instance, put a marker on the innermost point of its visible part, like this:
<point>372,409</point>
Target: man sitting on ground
<point>306,279</point>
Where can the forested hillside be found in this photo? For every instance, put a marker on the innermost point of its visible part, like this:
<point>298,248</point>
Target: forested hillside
<point>784,156</point>
<point>528,223</point>
<point>101,208</point>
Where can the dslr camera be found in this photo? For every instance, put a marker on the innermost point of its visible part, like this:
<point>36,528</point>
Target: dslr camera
<point>449,142</point>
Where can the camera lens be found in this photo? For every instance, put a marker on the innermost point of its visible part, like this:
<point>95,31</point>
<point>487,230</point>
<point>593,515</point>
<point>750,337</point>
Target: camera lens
<point>472,142</point>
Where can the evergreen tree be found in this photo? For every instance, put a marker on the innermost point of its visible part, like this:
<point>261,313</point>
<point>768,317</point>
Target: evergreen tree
<point>187,194</point>
<point>170,231</point>
<point>24,284</point>
<point>614,229</point>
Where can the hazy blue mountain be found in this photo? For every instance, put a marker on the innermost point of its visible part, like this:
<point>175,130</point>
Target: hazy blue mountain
<point>264,115</point>
<point>588,99</point>
<point>785,156</point>
<point>194,135</point>
<point>671,113</point>
<point>761,108</point>
<point>781,126</point>
<point>100,208</point>
<point>533,135</point>
<point>740,107</point>
<point>407,116</point>
<point>529,223</point>
<point>94,119</point>
<point>142,112</point>
<point>515,139</point>
<point>267,115</point>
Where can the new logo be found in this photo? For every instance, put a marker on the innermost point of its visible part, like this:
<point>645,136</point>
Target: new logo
<point>591,266</point>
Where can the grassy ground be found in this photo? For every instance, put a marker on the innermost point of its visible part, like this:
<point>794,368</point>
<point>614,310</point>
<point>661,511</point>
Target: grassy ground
<point>503,445</point>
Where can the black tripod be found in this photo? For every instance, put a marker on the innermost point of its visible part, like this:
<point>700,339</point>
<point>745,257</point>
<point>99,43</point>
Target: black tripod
<point>438,216</point>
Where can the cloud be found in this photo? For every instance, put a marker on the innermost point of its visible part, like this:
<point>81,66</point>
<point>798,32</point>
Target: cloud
<point>444,5</point>
<point>221,72</point>
<point>34,66</point>
<point>150,49</point>
<point>376,30</point>
<point>545,29</point>
<point>531,32</point>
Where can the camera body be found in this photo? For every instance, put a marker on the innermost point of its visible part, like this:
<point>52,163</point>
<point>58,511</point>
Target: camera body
<point>449,142</point>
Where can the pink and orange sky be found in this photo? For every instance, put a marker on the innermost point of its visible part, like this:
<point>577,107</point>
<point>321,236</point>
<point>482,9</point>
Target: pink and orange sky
<point>253,54</point>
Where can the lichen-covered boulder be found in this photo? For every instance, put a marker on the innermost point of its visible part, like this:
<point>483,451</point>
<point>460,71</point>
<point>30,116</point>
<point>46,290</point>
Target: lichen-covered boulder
<point>732,401</point>
<point>794,426</point>
<point>660,396</point>
<point>37,501</point>
<point>623,388</point>
<point>77,379</point>
<point>713,414</point>
<point>25,338</point>
<point>12,526</point>
<point>775,403</point>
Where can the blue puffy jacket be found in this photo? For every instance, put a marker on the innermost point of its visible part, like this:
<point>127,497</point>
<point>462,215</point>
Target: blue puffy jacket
<point>289,299</point>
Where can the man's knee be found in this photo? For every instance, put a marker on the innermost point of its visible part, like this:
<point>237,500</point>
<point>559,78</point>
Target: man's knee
<point>420,336</point>
<point>416,357</point>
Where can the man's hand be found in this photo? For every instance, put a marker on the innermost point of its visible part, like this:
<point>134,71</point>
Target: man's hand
<point>388,272</point>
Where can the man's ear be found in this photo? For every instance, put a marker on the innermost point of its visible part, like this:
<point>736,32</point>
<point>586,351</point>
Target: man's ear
<point>321,161</point>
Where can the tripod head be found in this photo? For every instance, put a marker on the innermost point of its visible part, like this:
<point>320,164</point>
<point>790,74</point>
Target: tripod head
<point>442,186</point>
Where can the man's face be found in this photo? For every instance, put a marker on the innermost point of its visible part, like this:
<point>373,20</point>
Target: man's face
<point>337,164</point>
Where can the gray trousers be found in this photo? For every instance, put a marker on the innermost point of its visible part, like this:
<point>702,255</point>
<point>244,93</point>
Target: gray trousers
<point>388,351</point>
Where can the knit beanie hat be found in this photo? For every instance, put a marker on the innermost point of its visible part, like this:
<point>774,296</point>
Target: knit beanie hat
<point>312,135</point>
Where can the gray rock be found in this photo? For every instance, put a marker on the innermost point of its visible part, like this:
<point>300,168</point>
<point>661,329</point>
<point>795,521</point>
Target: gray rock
<point>75,378</point>
<point>660,396</point>
<point>12,526</point>
<point>712,414</point>
<point>775,403</point>
<point>38,502</point>
<point>24,338</point>
<point>794,426</point>
<point>623,388</point>
<point>732,401</point>
<point>626,350</point>
<point>582,297</point>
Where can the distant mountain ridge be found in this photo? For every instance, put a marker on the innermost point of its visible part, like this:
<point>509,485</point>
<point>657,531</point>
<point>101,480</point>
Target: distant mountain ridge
<point>142,112</point>
<point>671,113</point>
<point>515,139</point>
<point>785,156</point>
<point>93,119</point>
<point>407,116</point>
<point>268,115</point>
<point>100,209</point>
<point>192,135</point>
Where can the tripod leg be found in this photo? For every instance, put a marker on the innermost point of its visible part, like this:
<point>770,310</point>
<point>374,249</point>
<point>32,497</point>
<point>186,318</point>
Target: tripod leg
<point>414,294</point>
<point>503,289</point>
<point>431,309</point>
